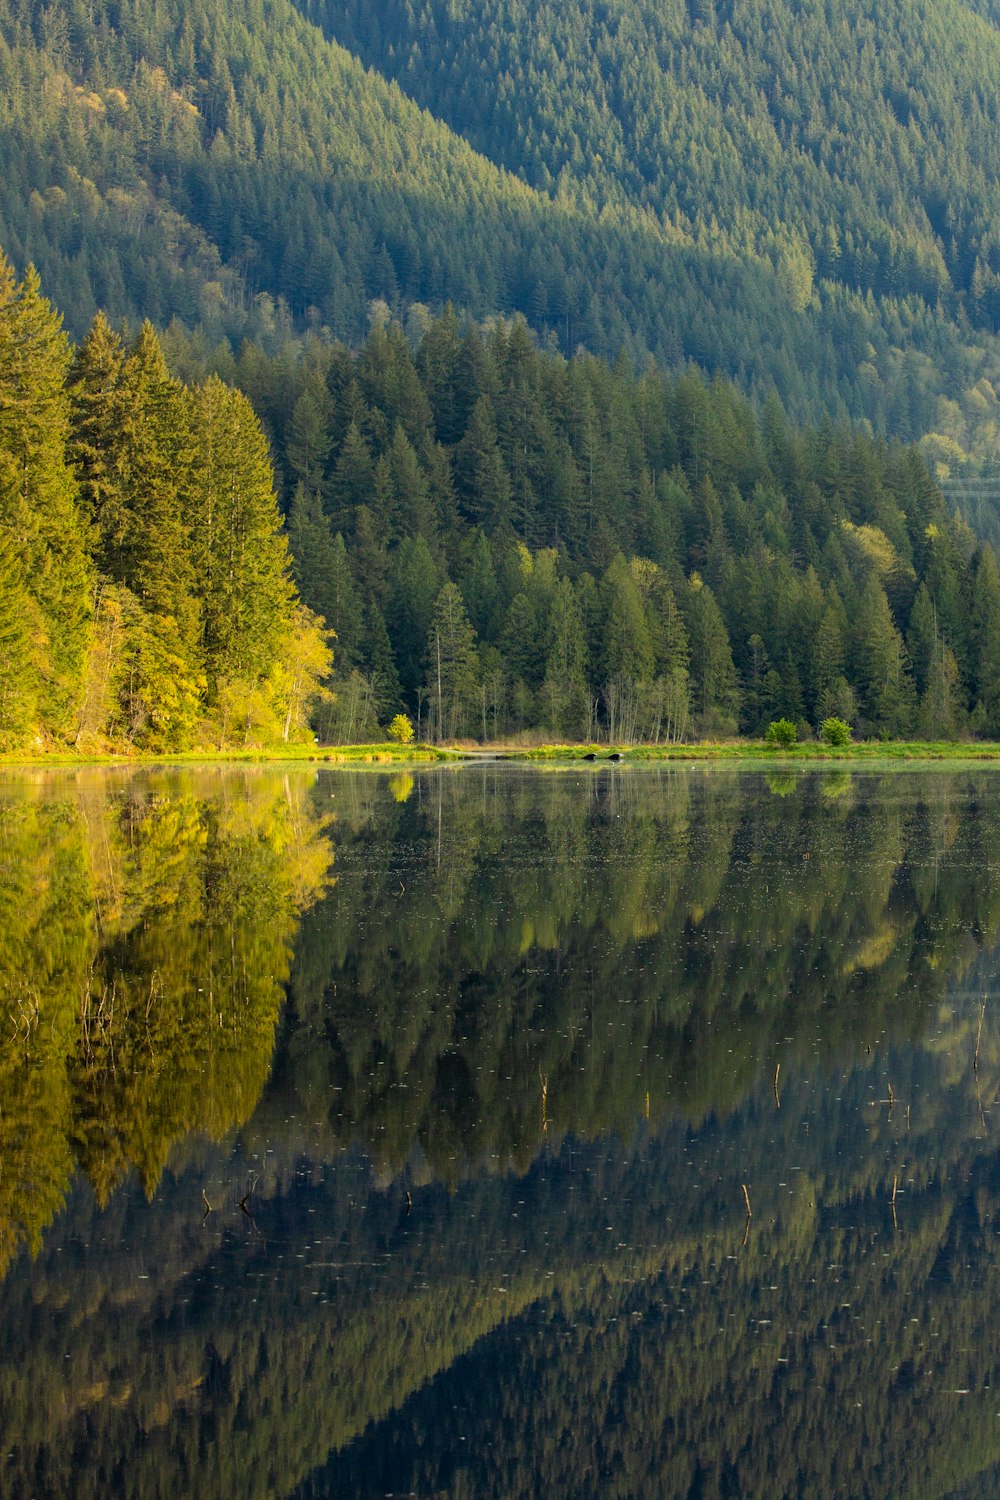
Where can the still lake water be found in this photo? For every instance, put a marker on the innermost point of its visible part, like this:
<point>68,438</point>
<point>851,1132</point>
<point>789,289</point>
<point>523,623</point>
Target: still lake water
<point>368,1134</point>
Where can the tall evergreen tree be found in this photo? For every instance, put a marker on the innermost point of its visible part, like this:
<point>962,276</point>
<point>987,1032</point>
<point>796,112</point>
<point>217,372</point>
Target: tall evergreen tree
<point>39,511</point>
<point>452,665</point>
<point>238,549</point>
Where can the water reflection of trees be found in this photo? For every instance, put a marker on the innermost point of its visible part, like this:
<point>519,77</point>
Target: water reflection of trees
<point>146,929</point>
<point>452,957</point>
<point>513,957</point>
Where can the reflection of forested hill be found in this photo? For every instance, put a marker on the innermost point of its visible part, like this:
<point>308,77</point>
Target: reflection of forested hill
<point>551,1008</point>
<point>508,957</point>
<point>600,1315</point>
<point>838,1358</point>
<point>146,926</point>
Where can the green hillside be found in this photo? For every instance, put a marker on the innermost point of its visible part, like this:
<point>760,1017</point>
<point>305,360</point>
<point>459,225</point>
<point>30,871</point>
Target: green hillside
<point>729,188</point>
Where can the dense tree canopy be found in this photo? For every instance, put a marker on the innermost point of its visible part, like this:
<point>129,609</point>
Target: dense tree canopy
<point>804,201</point>
<point>145,591</point>
<point>505,539</point>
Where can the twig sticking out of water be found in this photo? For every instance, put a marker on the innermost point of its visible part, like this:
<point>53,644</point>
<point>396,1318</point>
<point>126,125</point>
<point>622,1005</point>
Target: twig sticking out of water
<point>892,1202</point>
<point>246,1196</point>
<point>208,1206</point>
<point>746,1197</point>
<point>777,1096</point>
<point>975,1069</point>
<point>892,1099</point>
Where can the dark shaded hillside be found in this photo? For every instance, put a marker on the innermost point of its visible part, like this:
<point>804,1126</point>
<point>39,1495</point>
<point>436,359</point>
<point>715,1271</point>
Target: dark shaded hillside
<point>228,167</point>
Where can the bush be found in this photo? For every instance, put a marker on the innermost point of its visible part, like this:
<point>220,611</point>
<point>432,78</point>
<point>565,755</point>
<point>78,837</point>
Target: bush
<point>782,732</point>
<point>835,731</point>
<point>401,730</point>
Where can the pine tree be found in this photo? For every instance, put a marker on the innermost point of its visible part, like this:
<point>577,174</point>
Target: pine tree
<point>322,574</point>
<point>22,639</point>
<point>414,585</point>
<point>715,687</point>
<point>452,667</point>
<point>39,511</point>
<point>986,636</point>
<point>885,687</point>
<point>239,552</point>
<point>309,434</point>
<point>564,688</point>
<point>146,545</point>
<point>484,487</point>
<point>96,401</point>
<point>353,482</point>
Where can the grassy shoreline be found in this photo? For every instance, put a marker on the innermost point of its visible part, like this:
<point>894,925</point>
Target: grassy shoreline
<point>389,754</point>
<point>755,750</point>
<point>381,754</point>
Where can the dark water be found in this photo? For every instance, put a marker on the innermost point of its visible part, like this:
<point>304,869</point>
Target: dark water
<point>367,1134</point>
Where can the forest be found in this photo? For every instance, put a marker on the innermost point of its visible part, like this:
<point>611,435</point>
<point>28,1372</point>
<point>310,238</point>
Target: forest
<point>145,592</point>
<point>803,203</point>
<point>456,524</point>
<point>504,539</point>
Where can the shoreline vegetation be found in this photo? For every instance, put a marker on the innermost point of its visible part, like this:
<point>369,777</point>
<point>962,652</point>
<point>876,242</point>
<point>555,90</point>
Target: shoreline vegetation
<point>389,754</point>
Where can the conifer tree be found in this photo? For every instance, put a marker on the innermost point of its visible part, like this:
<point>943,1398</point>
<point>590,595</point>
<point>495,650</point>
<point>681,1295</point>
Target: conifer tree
<point>322,574</point>
<point>39,511</point>
<point>21,639</point>
<point>986,636</point>
<point>452,667</point>
<point>146,545</point>
<point>715,686</point>
<point>885,687</point>
<point>96,400</point>
<point>239,552</point>
<point>483,484</point>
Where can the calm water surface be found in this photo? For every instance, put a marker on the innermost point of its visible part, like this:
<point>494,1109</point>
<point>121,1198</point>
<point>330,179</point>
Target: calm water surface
<point>492,1132</point>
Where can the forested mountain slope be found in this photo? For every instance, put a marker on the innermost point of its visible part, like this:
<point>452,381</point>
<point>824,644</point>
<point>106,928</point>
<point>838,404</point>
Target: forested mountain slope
<point>803,205</point>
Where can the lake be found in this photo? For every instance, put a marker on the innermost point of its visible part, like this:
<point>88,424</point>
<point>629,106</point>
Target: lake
<point>486,1131</point>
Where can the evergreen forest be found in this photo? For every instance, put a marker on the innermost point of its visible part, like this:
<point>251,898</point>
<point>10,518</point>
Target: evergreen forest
<point>800,198</point>
<point>591,379</point>
<point>145,590</point>
<point>491,538</point>
<point>503,539</point>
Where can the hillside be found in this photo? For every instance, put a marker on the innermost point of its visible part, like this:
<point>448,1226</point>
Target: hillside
<point>740,187</point>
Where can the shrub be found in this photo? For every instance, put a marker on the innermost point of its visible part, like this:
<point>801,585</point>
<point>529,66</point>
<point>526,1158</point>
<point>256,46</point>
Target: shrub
<point>401,730</point>
<point>835,731</point>
<point>781,732</point>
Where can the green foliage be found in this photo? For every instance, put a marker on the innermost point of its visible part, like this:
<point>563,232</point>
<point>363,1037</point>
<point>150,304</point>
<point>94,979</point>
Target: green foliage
<point>782,732</point>
<point>723,204</point>
<point>145,591</point>
<point>835,731</point>
<point>666,563</point>
<point>120,913</point>
<point>669,565</point>
<point>401,730</point>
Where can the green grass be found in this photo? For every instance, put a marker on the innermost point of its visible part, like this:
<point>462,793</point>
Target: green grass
<point>380,754</point>
<point>866,751</point>
<point>389,754</point>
